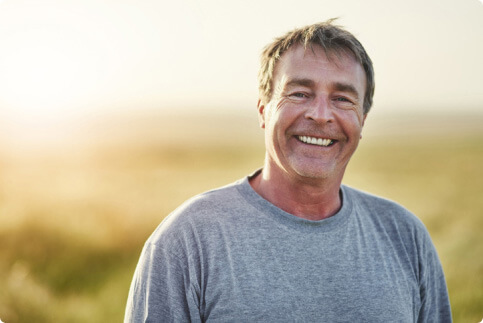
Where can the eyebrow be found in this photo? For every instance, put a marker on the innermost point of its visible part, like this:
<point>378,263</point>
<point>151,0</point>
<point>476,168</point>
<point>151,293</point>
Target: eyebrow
<point>344,87</point>
<point>302,82</point>
<point>338,86</point>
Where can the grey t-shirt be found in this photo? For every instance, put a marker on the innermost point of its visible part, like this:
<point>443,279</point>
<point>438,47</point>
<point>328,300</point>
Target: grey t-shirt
<point>229,255</point>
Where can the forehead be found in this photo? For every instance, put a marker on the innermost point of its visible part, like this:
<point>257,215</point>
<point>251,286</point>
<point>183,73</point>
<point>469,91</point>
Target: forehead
<point>315,64</point>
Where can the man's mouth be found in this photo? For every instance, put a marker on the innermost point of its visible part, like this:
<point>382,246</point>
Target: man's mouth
<point>316,141</point>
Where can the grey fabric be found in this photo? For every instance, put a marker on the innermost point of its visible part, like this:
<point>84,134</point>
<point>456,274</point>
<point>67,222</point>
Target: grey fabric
<point>228,255</point>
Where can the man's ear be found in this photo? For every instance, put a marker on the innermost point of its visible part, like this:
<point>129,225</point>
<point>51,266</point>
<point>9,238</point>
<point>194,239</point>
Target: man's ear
<point>261,114</point>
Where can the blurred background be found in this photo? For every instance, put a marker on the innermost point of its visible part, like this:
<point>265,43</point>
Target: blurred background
<point>112,113</point>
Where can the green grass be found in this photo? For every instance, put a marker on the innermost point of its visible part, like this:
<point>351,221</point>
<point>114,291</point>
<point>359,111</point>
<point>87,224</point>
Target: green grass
<point>73,222</point>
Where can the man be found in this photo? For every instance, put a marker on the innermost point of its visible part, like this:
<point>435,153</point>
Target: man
<point>290,242</point>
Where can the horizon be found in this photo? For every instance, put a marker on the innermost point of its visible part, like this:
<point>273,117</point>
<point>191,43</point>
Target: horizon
<point>211,128</point>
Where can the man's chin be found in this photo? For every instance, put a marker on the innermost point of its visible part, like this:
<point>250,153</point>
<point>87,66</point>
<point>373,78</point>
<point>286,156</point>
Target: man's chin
<point>314,173</point>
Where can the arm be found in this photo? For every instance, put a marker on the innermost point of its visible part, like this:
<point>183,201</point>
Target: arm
<point>435,305</point>
<point>161,290</point>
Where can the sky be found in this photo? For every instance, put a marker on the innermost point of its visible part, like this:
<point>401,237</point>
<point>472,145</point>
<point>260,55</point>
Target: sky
<point>64,59</point>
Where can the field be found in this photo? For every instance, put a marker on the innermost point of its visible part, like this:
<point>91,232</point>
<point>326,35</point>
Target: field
<point>74,215</point>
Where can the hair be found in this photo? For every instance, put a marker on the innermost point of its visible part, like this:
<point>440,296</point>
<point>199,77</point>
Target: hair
<point>331,38</point>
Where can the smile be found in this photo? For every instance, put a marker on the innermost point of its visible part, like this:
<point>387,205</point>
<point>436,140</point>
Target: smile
<point>315,141</point>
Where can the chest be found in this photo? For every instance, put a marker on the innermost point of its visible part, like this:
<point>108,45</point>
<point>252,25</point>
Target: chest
<point>281,277</point>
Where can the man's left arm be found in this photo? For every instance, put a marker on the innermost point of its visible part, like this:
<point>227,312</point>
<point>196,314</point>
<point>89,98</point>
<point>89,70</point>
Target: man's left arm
<point>435,305</point>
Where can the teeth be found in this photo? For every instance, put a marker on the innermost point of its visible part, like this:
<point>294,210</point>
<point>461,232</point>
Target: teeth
<point>315,141</point>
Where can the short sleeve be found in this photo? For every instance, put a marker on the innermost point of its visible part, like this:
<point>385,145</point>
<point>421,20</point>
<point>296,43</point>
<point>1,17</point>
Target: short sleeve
<point>161,290</point>
<point>435,305</point>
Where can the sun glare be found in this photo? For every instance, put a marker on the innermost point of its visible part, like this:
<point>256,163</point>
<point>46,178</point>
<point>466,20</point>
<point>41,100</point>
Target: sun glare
<point>57,63</point>
<point>41,77</point>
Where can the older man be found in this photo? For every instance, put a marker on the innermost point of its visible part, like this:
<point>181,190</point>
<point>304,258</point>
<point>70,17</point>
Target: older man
<point>290,242</point>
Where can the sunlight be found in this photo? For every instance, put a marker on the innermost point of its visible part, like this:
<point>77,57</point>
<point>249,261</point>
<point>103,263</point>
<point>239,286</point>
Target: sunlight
<point>45,79</point>
<point>55,68</point>
<point>41,77</point>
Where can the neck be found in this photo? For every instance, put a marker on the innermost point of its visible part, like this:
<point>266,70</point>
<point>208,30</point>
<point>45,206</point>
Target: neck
<point>311,199</point>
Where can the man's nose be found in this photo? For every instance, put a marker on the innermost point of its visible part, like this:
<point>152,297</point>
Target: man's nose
<point>320,111</point>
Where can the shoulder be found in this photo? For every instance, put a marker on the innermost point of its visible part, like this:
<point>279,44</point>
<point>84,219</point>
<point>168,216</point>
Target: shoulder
<point>210,204</point>
<point>391,224</point>
<point>383,211</point>
<point>199,214</point>
<point>212,200</point>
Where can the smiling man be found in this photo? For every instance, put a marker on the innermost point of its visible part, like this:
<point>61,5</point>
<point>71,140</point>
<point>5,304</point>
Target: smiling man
<point>290,243</point>
<point>313,123</point>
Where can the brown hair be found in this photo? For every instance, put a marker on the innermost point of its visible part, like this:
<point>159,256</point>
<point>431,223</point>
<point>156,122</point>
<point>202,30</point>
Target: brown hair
<point>333,39</point>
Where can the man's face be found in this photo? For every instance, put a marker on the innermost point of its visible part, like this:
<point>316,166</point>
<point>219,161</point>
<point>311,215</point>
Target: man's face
<point>314,119</point>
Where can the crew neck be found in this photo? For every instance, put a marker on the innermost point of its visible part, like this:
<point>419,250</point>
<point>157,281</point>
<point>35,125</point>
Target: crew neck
<point>267,208</point>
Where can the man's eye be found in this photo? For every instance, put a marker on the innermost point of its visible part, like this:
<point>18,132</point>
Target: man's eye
<point>343,99</point>
<point>298,95</point>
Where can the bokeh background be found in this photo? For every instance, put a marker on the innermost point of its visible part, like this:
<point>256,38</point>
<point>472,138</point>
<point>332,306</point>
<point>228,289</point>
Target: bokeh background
<point>112,113</point>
